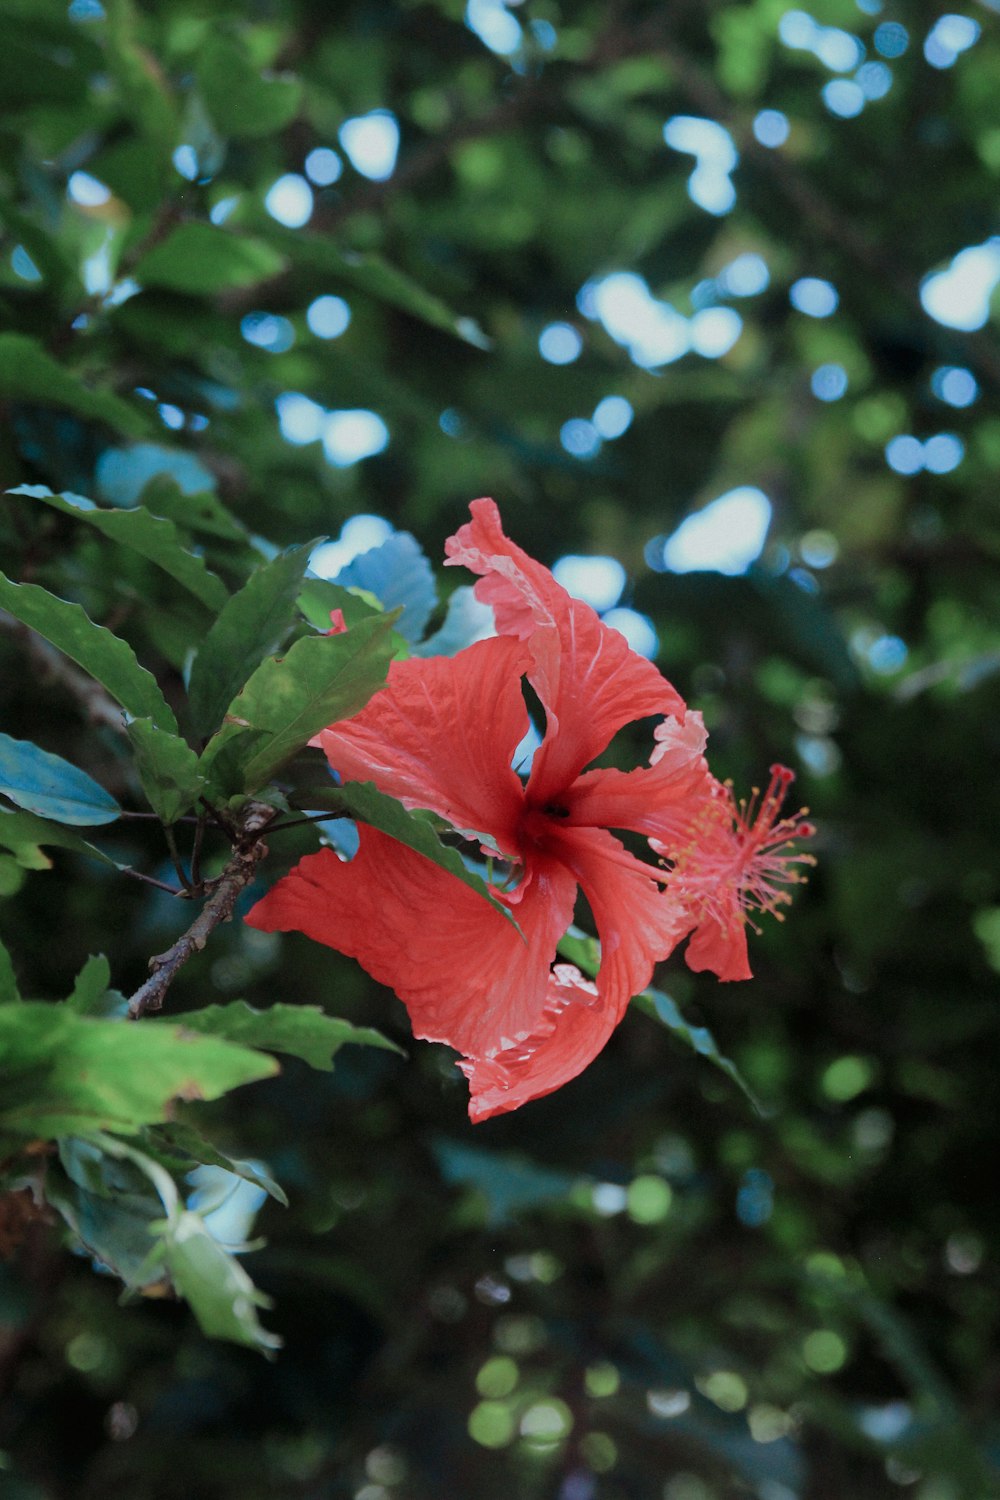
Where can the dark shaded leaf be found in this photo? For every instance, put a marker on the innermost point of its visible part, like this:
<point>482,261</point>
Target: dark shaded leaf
<point>371,274</point>
<point>253,623</point>
<point>28,373</point>
<point>149,535</point>
<point>168,769</point>
<point>289,700</point>
<point>201,260</point>
<point>364,801</point>
<point>105,656</point>
<point>241,100</point>
<point>9,992</point>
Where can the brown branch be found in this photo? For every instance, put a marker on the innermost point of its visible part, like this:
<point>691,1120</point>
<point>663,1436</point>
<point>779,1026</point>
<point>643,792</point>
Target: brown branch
<point>239,872</point>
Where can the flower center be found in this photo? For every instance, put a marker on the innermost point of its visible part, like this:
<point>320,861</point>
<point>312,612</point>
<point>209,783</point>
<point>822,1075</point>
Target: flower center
<point>744,850</point>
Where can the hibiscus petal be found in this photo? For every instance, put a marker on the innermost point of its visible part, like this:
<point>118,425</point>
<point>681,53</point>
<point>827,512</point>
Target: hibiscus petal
<point>588,678</point>
<point>573,1030</point>
<point>659,800</point>
<point>441,735</point>
<point>719,943</point>
<point>638,925</point>
<point>462,970</point>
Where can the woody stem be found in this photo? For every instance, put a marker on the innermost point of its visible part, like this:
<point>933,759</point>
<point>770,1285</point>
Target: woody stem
<point>248,851</point>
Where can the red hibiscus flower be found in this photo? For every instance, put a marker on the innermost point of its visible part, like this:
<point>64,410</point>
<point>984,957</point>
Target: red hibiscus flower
<point>442,735</point>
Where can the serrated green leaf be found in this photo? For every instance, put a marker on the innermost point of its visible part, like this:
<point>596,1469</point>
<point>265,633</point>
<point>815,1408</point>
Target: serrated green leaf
<point>253,623</point>
<point>105,656</point>
<point>151,536</point>
<point>381,280</point>
<point>324,678</point>
<point>240,100</point>
<point>211,1279</point>
<point>28,373</point>
<point>301,1030</point>
<point>585,952</point>
<point>202,260</point>
<point>168,768</point>
<point>23,833</point>
<point>179,1146</point>
<point>90,986</point>
<point>67,1074</point>
<point>9,992</point>
<point>51,787</point>
<point>364,801</point>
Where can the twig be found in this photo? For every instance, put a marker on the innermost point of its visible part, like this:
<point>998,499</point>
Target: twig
<point>199,834</point>
<point>239,872</point>
<point>325,817</point>
<point>175,858</point>
<point>161,885</point>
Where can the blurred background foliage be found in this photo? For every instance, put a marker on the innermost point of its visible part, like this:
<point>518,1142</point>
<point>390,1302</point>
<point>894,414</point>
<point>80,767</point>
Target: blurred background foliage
<point>620,265</point>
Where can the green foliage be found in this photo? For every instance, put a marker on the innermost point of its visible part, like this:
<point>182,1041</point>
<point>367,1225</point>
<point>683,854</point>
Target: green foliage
<point>290,699</point>
<point>300,1030</point>
<point>639,1285</point>
<point>27,373</point>
<point>68,1074</point>
<point>168,769</point>
<point>201,260</point>
<point>251,626</point>
<point>147,534</point>
<point>105,656</point>
<point>363,800</point>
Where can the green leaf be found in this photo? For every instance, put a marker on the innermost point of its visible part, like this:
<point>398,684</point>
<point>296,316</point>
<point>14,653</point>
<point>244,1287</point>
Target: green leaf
<point>211,1279</point>
<point>381,280</point>
<point>654,1003</point>
<point>168,769</point>
<point>324,678</point>
<point>301,1030</point>
<point>253,623</point>
<point>113,1198</point>
<point>24,834</point>
<point>363,800</point>
<point>179,1146</point>
<point>105,656</point>
<point>242,101</point>
<point>318,597</point>
<point>9,992</point>
<point>91,986</point>
<point>202,260</point>
<point>149,535</point>
<point>202,512</point>
<point>109,1205</point>
<point>140,79</point>
<point>46,784</point>
<point>585,952</point>
<point>68,1074</point>
<point>28,373</point>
